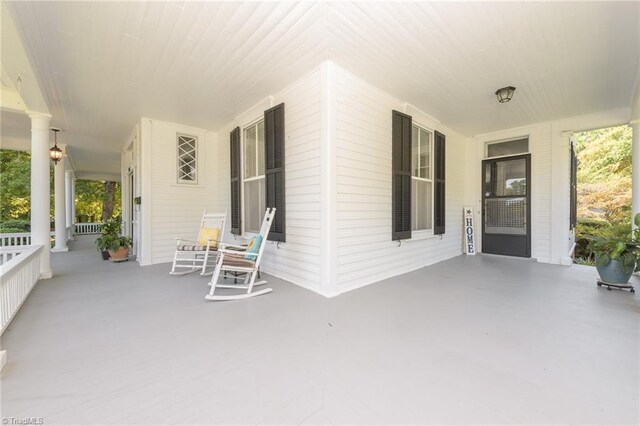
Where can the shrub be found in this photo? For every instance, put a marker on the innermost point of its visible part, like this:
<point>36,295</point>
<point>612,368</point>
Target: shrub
<point>15,226</point>
<point>586,229</point>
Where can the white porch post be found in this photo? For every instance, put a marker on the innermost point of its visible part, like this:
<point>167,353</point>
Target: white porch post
<point>635,169</point>
<point>70,201</point>
<point>40,217</point>
<point>60,208</point>
<point>73,202</point>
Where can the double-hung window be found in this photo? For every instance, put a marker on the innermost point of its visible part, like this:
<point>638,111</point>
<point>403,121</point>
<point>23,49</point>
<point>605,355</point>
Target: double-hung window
<point>421,179</point>
<point>254,176</point>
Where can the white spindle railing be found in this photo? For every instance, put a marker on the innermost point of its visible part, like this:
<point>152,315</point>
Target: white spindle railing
<point>8,253</point>
<point>15,239</point>
<point>19,239</point>
<point>17,278</point>
<point>24,238</point>
<point>87,228</point>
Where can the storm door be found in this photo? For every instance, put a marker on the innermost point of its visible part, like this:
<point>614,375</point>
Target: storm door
<point>506,206</point>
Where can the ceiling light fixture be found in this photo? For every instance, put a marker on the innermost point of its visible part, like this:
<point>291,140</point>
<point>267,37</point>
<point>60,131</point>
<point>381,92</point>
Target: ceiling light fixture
<point>55,153</point>
<point>505,94</point>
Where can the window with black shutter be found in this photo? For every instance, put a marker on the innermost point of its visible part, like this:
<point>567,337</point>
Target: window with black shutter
<point>235,180</point>
<point>401,179</point>
<point>573,187</point>
<point>275,170</point>
<point>439,178</point>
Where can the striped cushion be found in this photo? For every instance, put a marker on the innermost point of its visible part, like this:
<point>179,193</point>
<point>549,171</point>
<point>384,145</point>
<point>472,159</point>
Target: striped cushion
<point>188,247</point>
<point>237,261</point>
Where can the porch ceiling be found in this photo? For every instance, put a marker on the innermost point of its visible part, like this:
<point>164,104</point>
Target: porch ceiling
<point>103,65</point>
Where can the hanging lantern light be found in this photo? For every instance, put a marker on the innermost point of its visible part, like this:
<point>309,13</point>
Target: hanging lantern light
<point>55,153</point>
<point>505,94</point>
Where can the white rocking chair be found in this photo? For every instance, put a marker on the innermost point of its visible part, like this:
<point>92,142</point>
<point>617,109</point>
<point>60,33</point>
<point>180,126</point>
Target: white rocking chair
<point>200,254</point>
<point>243,260</point>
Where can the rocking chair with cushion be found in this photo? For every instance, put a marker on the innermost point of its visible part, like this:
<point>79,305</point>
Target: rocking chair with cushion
<point>242,260</point>
<point>200,254</point>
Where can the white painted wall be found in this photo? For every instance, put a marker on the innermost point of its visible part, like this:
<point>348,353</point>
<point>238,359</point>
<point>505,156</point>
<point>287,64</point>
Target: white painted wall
<point>170,209</point>
<point>551,239</point>
<point>366,253</point>
<point>297,260</point>
<point>338,184</point>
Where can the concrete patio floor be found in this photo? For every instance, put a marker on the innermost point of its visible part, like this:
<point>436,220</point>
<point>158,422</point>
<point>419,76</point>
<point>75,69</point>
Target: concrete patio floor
<point>472,340</point>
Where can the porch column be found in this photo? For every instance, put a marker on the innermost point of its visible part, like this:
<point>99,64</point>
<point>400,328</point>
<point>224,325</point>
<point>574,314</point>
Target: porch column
<point>60,208</point>
<point>635,169</point>
<point>73,203</point>
<point>70,201</point>
<point>40,192</point>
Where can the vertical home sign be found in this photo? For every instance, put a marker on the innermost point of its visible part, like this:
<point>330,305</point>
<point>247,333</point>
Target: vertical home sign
<point>469,231</point>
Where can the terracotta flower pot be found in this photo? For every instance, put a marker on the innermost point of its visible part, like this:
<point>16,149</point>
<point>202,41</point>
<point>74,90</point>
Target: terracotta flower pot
<point>121,254</point>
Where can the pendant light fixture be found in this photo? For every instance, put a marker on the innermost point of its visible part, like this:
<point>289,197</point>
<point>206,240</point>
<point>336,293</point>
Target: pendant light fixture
<point>55,153</point>
<point>505,94</point>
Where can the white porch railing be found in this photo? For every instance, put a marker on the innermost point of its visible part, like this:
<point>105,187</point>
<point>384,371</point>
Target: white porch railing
<point>87,228</point>
<point>18,276</point>
<point>24,238</point>
<point>18,239</point>
<point>8,253</point>
<point>15,239</point>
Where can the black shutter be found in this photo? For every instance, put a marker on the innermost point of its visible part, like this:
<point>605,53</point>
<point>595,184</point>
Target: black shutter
<point>573,187</point>
<point>439,178</point>
<point>235,180</point>
<point>401,179</point>
<point>274,169</point>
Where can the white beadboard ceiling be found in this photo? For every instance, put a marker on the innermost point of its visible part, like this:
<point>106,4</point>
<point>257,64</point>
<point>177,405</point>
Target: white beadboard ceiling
<point>102,65</point>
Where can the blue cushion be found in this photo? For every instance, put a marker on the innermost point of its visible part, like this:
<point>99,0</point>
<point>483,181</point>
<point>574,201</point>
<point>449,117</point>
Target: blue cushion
<point>253,247</point>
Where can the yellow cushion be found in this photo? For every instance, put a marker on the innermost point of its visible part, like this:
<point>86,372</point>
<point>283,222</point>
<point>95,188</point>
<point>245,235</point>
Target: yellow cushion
<point>207,234</point>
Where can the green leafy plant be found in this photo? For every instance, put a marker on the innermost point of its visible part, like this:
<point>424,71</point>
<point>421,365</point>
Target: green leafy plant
<point>110,238</point>
<point>586,261</point>
<point>626,252</point>
<point>110,227</point>
<point>112,242</point>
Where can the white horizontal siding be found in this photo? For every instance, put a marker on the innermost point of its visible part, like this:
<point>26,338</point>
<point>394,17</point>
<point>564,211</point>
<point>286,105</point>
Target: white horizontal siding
<point>366,253</point>
<point>176,209</point>
<point>298,259</point>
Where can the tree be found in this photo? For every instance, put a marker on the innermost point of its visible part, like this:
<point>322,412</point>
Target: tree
<point>107,205</point>
<point>95,200</point>
<point>604,185</point>
<point>15,185</point>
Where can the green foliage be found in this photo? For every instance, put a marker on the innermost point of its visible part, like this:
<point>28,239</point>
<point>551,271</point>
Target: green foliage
<point>110,227</point>
<point>606,250</point>
<point>604,153</point>
<point>586,261</point>
<point>15,185</point>
<point>90,200</point>
<point>112,242</point>
<point>615,248</point>
<point>604,187</point>
<point>15,192</point>
<point>604,174</point>
<point>11,226</point>
<point>110,238</point>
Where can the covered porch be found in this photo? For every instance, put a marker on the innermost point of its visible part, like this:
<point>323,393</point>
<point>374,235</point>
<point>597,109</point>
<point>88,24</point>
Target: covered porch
<point>481,339</point>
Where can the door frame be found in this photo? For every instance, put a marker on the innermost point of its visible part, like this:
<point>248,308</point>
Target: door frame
<point>526,157</point>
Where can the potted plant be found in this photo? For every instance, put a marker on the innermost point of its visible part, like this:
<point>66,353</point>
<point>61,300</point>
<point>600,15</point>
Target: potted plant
<point>112,245</point>
<point>616,260</point>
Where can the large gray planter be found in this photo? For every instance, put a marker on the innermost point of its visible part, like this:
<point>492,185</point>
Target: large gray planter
<point>613,273</point>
